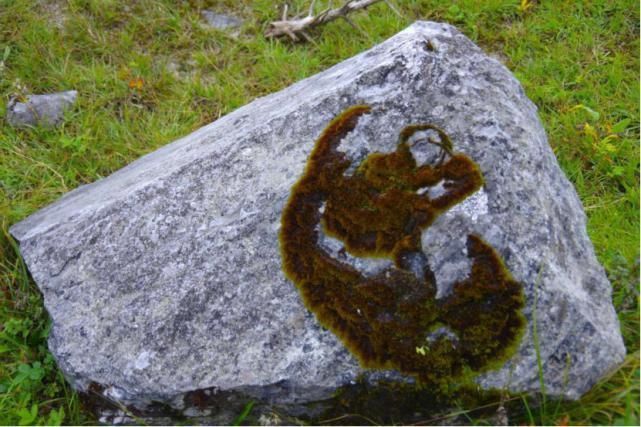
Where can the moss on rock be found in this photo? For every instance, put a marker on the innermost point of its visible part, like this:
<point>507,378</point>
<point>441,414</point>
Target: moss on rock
<point>392,320</point>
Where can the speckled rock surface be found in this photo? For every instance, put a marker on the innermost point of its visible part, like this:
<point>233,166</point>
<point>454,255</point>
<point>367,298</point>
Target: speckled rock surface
<point>46,110</point>
<point>165,278</point>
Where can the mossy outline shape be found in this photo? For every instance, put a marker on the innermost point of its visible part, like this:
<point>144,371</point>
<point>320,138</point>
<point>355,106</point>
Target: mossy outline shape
<point>385,319</point>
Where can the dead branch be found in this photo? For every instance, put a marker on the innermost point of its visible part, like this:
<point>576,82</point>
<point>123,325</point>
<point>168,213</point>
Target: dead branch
<point>297,27</point>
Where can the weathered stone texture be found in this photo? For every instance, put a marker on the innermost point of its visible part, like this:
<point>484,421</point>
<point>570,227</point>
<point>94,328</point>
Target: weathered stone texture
<point>166,277</point>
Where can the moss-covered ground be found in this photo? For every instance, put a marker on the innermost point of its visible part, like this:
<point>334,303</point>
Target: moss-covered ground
<point>149,72</point>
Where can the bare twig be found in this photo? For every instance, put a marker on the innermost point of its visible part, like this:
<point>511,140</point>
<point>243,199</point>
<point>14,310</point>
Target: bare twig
<point>296,28</point>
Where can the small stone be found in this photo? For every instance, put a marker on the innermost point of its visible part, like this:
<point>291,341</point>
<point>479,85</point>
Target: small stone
<point>221,21</point>
<point>55,12</point>
<point>45,110</point>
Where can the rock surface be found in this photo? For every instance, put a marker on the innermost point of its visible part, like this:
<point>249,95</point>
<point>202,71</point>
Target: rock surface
<point>221,21</point>
<point>46,110</point>
<point>164,280</point>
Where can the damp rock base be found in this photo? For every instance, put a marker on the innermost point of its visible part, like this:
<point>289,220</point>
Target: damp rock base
<point>164,281</point>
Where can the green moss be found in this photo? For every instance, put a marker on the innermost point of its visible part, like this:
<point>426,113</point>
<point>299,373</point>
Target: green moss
<point>390,320</point>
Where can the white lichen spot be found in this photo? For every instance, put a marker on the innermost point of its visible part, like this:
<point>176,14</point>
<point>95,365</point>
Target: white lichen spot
<point>115,393</point>
<point>143,360</point>
<point>474,206</point>
<point>434,191</point>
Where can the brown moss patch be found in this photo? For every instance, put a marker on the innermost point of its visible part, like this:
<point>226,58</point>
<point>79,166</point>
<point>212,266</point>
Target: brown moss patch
<point>393,320</point>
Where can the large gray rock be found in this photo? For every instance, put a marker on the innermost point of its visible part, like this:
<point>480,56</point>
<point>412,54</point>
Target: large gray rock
<point>46,110</point>
<point>165,278</point>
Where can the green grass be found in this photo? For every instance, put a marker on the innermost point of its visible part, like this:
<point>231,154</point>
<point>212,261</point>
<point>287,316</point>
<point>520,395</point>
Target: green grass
<point>578,62</point>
